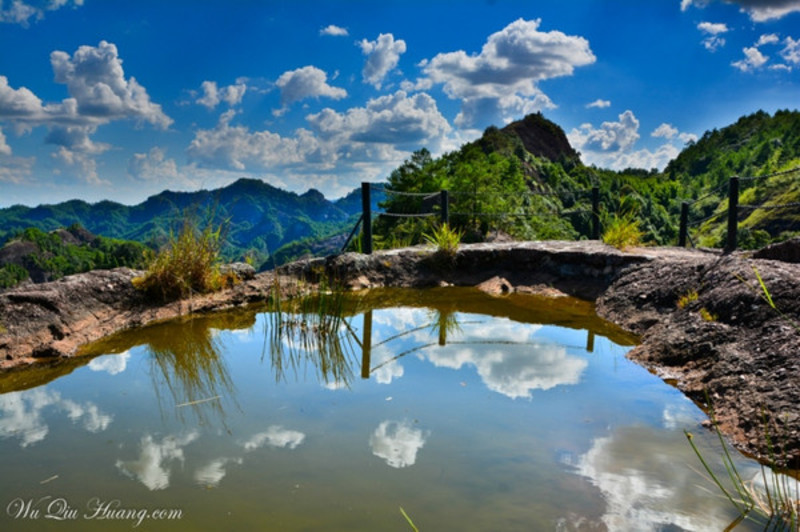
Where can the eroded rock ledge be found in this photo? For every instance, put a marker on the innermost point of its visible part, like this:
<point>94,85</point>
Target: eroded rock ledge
<point>725,339</point>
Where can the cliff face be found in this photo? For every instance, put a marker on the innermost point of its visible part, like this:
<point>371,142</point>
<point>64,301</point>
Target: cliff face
<point>543,138</point>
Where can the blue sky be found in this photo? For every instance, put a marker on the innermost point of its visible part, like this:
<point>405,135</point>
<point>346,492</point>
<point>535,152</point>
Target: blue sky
<point>103,99</point>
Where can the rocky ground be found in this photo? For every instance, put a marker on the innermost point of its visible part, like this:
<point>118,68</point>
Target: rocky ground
<point>723,337</point>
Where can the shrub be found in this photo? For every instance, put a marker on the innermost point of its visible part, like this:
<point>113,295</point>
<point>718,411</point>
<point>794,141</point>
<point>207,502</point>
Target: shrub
<point>623,232</point>
<point>445,239</point>
<point>189,263</point>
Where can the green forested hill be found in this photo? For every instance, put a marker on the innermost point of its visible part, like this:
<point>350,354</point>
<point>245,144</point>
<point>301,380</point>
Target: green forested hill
<point>257,218</point>
<point>525,180</point>
<point>39,256</point>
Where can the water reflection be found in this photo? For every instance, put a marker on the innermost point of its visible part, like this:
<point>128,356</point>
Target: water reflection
<point>212,473</point>
<point>23,414</point>
<point>156,457</point>
<point>275,436</point>
<point>397,442</point>
<point>654,490</point>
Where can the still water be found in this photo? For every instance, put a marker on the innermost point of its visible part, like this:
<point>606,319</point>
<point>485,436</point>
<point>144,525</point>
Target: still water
<point>469,412</point>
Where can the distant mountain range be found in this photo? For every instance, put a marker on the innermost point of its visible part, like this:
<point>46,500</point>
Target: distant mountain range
<point>257,218</point>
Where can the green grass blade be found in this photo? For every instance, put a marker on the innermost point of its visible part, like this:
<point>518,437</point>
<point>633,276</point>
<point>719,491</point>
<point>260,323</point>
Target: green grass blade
<point>410,522</point>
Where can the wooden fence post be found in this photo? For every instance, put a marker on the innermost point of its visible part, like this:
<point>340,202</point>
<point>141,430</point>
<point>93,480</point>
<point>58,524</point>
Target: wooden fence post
<point>366,227</point>
<point>684,228</point>
<point>733,221</point>
<point>595,213</point>
<point>445,204</point>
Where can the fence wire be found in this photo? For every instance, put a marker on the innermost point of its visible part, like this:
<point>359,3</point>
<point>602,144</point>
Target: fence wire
<point>775,174</point>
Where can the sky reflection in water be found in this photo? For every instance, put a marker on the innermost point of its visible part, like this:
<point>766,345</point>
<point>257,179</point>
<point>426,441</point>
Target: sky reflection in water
<point>469,421</point>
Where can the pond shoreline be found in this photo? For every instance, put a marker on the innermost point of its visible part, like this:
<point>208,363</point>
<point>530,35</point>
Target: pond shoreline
<point>722,337</point>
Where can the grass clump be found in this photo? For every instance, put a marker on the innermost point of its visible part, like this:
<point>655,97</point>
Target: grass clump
<point>187,264</point>
<point>623,232</point>
<point>688,298</point>
<point>771,498</point>
<point>446,240</point>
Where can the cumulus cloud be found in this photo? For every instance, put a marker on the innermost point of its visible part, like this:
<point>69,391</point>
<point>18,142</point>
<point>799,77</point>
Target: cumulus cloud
<point>397,442</point>
<point>334,31</point>
<point>275,436</point>
<point>753,59</point>
<point>502,79</point>
<point>96,81</point>
<point>212,473</point>
<point>99,94</point>
<point>665,130</point>
<point>612,144</point>
<point>152,165</point>
<point>111,364</point>
<point>154,464</point>
<point>5,149</point>
<point>383,55</point>
<point>213,95</point>
<point>610,136</point>
<point>757,10</point>
<point>23,414</point>
<point>713,41</point>
<point>236,147</point>
<point>21,12</point>
<point>393,119</point>
<point>307,82</point>
<point>598,104</point>
<point>791,51</point>
<point>644,480</point>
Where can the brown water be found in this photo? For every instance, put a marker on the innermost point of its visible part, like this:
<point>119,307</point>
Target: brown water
<point>469,412</point>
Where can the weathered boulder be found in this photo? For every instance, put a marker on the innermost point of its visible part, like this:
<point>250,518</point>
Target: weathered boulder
<point>787,251</point>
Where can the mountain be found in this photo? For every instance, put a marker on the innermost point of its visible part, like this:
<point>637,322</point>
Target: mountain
<point>526,180</point>
<point>38,256</point>
<point>256,217</point>
<point>760,148</point>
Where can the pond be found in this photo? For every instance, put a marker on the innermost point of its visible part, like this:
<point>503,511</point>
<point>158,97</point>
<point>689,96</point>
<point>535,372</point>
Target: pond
<point>467,411</point>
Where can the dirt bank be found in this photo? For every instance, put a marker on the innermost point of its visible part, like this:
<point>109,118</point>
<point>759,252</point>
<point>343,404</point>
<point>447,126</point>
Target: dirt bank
<point>725,339</point>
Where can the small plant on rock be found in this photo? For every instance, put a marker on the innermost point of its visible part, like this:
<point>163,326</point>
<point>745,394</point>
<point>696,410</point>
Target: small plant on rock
<point>623,232</point>
<point>446,240</point>
<point>188,264</point>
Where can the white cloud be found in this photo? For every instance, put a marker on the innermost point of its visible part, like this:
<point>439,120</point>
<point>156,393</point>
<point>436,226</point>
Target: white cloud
<point>5,149</point>
<point>96,81</point>
<point>665,130</point>
<point>153,165</point>
<point>397,442</point>
<point>238,148</point>
<point>598,104</point>
<point>769,38</point>
<point>503,77</point>
<point>383,55</point>
<point>154,465</point>
<point>212,473</point>
<point>99,94</point>
<point>647,485</point>
<point>713,30</point>
<point>275,436</point>
<point>758,10</point>
<point>609,137</point>
<point>612,144</point>
<point>334,31</point>
<point>212,95</point>
<point>392,119</point>
<point>21,12</point>
<point>23,414</point>
<point>753,59</point>
<point>791,51</point>
<point>111,364</point>
<point>306,82</point>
